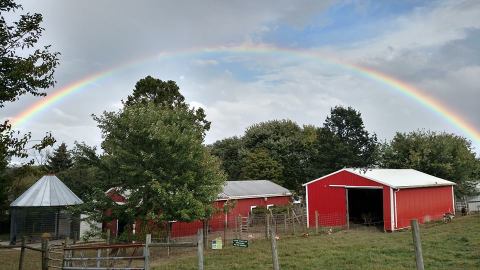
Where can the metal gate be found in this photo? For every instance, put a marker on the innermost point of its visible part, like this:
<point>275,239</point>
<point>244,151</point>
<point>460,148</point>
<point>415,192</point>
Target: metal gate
<point>99,257</point>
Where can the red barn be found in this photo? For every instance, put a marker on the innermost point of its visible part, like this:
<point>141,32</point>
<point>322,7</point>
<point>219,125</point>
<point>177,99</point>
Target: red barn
<point>243,195</point>
<point>391,197</point>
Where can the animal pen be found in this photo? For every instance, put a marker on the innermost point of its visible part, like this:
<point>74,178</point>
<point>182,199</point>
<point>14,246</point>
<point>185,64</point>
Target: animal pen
<point>42,211</point>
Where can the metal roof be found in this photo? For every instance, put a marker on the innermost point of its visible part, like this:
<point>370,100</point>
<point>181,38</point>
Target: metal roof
<point>47,191</point>
<point>252,189</point>
<point>396,178</point>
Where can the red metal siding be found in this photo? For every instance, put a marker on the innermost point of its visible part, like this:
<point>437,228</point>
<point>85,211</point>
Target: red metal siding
<point>330,201</point>
<point>424,204</point>
<point>216,223</point>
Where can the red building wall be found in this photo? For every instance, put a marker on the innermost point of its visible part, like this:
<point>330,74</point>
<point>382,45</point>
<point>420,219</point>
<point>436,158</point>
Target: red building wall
<point>216,223</point>
<point>330,202</point>
<point>423,204</point>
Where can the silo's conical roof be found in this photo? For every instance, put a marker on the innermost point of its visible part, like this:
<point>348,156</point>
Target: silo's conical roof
<point>47,191</point>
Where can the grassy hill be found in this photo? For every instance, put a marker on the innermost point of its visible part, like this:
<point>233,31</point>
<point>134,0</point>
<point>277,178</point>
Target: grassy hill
<point>454,245</point>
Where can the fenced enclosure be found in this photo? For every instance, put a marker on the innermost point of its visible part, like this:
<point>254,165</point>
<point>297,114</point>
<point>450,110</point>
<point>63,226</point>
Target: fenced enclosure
<point>34,222</point>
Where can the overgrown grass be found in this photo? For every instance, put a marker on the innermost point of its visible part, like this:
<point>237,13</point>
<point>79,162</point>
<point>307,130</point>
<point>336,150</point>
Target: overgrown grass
<point>454,245</point>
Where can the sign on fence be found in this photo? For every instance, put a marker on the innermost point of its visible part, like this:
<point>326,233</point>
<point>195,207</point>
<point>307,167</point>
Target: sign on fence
<point>217,243</point>
<point>240,243</point>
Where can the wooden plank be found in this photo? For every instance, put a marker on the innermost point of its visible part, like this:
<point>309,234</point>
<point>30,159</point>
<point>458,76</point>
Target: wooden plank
<point>173,244</point>
<point>104,246</point>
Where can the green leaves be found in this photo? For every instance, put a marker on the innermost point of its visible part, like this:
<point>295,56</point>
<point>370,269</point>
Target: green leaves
<point>158,156</point>
<point>440,154</point>
<point>22,71</point>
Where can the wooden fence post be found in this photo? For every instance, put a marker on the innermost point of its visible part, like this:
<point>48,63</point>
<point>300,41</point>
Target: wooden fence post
<point>276,265</point>
<point>285,223</point>
<point>44,254</point>
<point>22,254</point>
<point>316,221</point>
<point>200,248</point>
<point>267,225</point>
<point>146,251</point>
<point>417,244</point>
<point>108,237</point>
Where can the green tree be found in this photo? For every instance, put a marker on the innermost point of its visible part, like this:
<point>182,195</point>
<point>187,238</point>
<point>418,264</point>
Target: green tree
<point>60,160</point>
<point>444,155</point>
<point>88,172</point>
<point>285,143</point>
<point>166,95</point>
<point>159,157</point>
<point>24,69</point>
<point>354,145</point>
<point>259,165</point>
<point>231,152</point>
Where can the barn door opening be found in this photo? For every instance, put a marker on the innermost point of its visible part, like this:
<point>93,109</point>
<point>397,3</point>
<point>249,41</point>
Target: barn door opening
<point>365,207</point>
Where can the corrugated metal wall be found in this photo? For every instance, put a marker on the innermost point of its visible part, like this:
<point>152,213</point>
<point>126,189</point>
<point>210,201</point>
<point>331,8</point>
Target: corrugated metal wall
<point>330,201</point>
<point>424,204</point>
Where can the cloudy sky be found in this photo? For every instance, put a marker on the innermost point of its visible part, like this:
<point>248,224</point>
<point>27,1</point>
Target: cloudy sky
<point>432,45</point>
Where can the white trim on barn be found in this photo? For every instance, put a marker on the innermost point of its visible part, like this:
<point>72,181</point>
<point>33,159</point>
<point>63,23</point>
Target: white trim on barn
<point>392,214</point>
<point>306,205</point>
<point>359,187</point>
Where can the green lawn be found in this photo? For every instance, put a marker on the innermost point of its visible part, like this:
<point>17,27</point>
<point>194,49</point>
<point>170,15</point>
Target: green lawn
<point>445,246</point>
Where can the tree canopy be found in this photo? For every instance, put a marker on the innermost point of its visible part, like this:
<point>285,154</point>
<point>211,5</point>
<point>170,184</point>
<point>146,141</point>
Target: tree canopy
<point>443,155</point>
<point>159,157</point>
<point>23,67</point>
<point>60,160</point>
<point>165,95</point>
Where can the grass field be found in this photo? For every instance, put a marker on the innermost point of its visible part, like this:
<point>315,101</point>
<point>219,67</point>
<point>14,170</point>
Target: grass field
<point>454,245</point>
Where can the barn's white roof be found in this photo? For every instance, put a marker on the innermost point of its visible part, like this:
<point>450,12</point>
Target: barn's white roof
<point>396,178</point>
<point>252,189</point>
<point>48,191</point>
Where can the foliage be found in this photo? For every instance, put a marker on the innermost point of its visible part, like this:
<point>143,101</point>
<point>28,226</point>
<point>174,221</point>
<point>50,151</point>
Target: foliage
<point>282,151</point>
<point>231,152</point>
<point>357,147</point>
<point>89,171</point>
<point>60,160</point>
<point>284,142</point>
<point>23,68</point>
<point>443,155</point>
<point>165,95</point>
<point>258,164</point>
<point>159,157</point>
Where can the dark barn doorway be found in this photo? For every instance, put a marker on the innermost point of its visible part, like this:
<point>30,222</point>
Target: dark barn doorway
<point>365,207</point>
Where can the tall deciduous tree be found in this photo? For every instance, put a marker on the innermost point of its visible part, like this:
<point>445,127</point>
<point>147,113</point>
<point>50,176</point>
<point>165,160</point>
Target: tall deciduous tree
<point>231,152</point>
<point>258,164</point>
<point>165,95</point>
<point>60,160</point>
<point>443,155</point>
<point>159,157</point>
<point>354,145</point>
<point>24,69</point>
<point>284,142</point>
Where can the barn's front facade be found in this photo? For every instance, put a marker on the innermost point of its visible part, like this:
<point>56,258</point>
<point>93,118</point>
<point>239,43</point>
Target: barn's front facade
<point>242,196</point>
<point>383,197</point>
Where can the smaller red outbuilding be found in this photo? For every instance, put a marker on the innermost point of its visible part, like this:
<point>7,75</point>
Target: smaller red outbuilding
<point>243,196</point>
<point>388,197</point>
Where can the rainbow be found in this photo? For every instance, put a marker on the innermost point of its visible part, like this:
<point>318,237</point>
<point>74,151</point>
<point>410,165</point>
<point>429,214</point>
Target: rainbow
<point>402,87</point>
